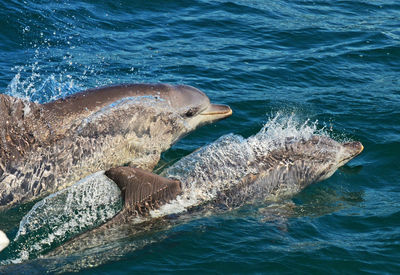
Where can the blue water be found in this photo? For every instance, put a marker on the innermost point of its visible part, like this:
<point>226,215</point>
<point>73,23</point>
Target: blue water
<point>337,62</point>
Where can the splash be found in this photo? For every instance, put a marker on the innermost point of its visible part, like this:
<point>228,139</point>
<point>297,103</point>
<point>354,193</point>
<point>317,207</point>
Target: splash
<point>62,215</point>
<point>33,88</point>
<point>280,128</point>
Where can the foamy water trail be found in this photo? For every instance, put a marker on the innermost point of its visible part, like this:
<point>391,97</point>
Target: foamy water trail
<point>64,214</point>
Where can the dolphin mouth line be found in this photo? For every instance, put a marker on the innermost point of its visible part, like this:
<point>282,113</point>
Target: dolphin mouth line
<point>217,109</point>
<point>217,113</point>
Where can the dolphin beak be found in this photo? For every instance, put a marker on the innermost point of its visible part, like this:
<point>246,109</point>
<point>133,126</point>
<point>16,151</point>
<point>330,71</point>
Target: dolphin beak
<point>352,149</point>
<point>212,113</point>
<point>217,111</point>
<point>361,149</point>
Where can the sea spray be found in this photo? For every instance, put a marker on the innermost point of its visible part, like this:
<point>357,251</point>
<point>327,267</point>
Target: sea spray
<point>33,87</point>
<point>66,213</point>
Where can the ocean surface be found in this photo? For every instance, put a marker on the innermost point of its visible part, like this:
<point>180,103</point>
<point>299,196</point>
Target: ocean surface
<point>336,63</point>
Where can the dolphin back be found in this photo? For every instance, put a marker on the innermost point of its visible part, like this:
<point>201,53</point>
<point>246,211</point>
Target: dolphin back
<point>18,118</point>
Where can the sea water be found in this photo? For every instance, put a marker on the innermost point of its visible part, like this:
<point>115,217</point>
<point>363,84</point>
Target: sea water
<point>335,62</point>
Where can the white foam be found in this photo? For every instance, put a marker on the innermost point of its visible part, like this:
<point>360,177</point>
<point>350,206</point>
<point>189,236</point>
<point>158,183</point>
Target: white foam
<point>279,128</point>
<point>66,213</point>
<point>28,84</point>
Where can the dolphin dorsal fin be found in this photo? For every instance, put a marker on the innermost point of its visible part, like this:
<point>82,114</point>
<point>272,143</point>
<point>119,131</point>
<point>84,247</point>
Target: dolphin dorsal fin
<point>142,190</point>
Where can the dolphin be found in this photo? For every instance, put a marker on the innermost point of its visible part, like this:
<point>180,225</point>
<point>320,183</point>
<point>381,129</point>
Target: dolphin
<point>47,147</point>
<point>230,172</point>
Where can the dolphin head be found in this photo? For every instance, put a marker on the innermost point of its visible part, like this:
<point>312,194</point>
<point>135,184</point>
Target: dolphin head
<point>195,106</point>
<point>190,103</point>
<point>349,151</point>
<point>320,156</point>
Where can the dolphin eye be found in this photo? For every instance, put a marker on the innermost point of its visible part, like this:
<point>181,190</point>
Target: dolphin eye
<point>191,112</point>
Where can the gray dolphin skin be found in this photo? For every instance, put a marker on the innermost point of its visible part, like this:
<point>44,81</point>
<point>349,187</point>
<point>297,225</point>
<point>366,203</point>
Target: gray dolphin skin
<point>47,147</point>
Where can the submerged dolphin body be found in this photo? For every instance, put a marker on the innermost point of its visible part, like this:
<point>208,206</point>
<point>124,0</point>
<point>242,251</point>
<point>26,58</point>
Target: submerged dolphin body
<point>46,147</point>
<point>231,171</point>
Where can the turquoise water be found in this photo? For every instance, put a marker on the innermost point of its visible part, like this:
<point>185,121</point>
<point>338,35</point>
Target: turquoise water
<point>337,62</point>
